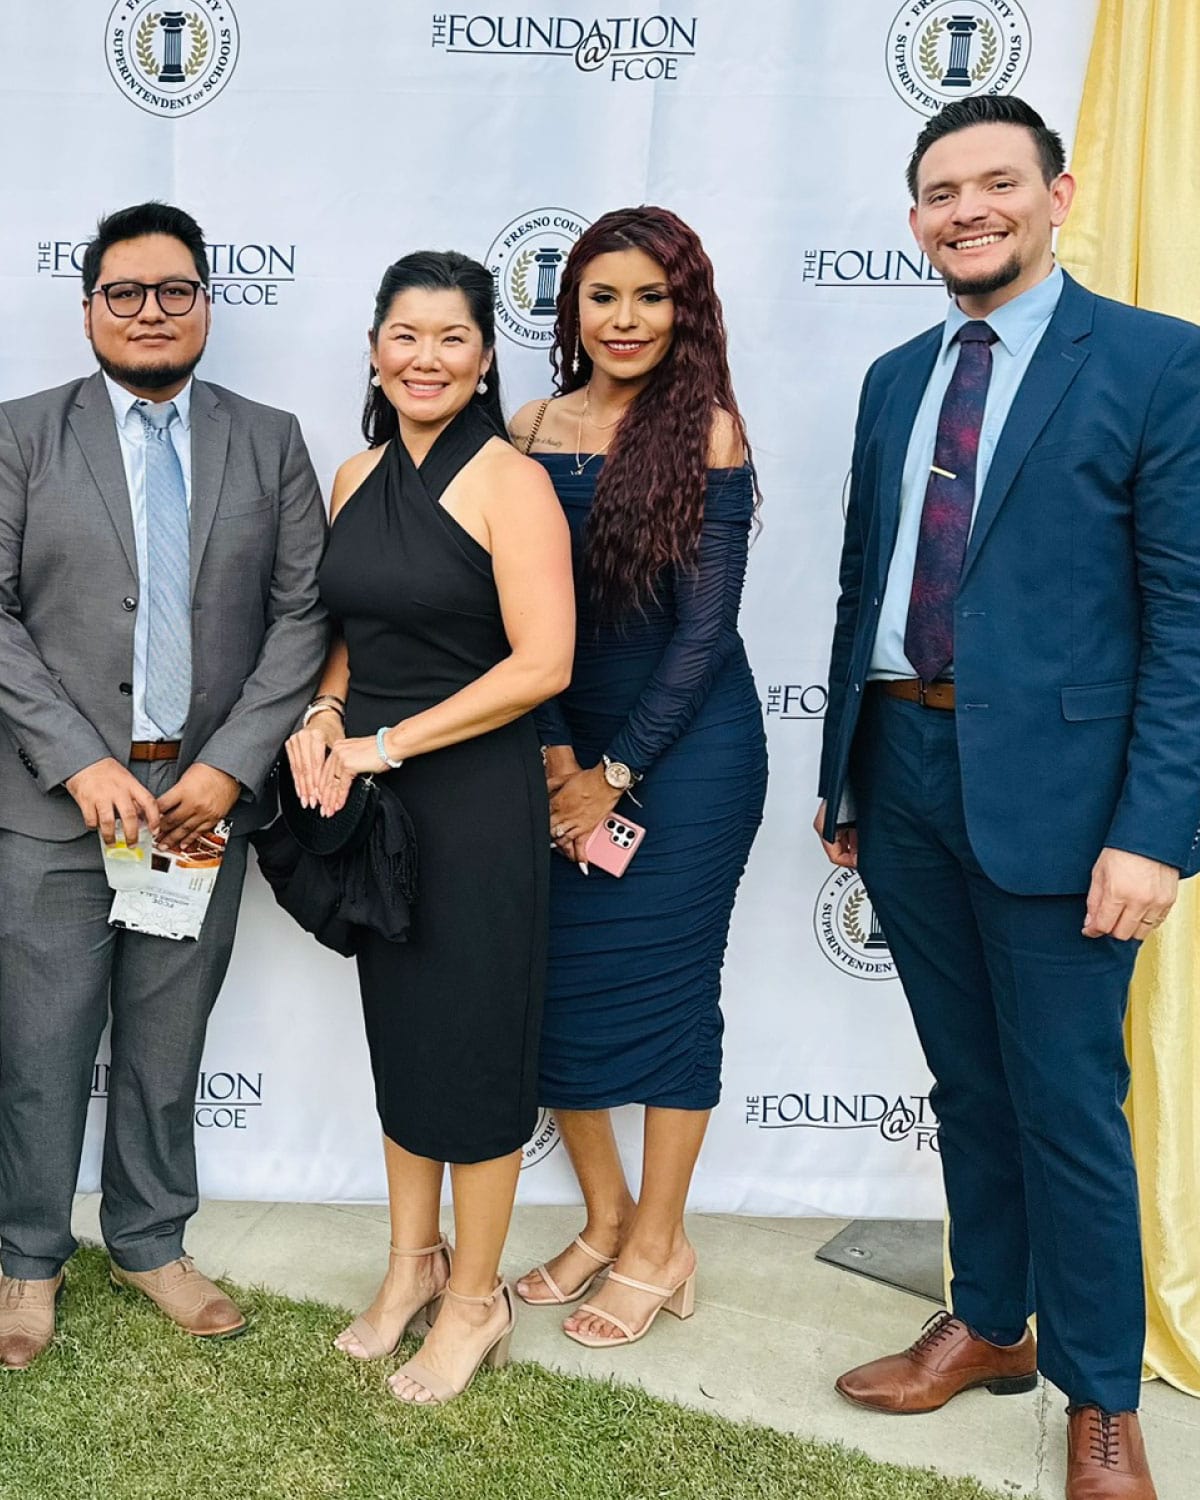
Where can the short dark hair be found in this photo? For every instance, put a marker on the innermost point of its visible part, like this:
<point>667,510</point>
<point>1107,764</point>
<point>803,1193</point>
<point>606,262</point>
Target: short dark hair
<point>131,224</point>
<point>990,109</point>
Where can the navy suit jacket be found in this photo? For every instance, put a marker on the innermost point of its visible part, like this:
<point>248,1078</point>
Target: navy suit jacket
<point>1077,621</point>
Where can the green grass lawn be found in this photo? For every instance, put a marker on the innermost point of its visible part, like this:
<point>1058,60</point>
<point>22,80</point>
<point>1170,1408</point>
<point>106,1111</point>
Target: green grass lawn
<point>126,1407</point>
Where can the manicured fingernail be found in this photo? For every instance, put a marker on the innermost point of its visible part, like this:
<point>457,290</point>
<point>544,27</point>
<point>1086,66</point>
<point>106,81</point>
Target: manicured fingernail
<point>583,867</point>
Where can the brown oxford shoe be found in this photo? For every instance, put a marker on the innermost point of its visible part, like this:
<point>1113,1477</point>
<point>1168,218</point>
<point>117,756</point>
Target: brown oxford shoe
<point>26,1319</point>
<point>187,1297</point>
<point>1106,1458</point>
<point>946,1359</point>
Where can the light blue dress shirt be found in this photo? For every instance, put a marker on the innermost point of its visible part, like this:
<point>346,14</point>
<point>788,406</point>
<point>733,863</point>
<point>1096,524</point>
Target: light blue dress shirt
<point>1018,326</point>
<point>131,431</point>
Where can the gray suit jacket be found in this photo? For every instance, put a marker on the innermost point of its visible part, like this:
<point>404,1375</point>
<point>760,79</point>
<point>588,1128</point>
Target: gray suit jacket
<point>69,591</point>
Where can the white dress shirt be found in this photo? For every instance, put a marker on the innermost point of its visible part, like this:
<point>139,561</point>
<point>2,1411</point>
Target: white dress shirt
<point>131,431</point>
<point>1018,326</point>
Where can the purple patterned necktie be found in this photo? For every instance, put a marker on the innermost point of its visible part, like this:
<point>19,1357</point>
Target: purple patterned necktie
<point>949,503</point>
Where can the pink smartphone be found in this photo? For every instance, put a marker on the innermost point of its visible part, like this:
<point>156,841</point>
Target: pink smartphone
<point>613,843</point>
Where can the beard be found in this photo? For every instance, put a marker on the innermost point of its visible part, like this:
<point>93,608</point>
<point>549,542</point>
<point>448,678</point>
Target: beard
<point>981,286</point>
<point>146,377</point>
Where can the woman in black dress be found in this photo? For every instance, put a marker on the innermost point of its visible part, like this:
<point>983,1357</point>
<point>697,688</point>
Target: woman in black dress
<point>449,573</point>
<point>648,455</point>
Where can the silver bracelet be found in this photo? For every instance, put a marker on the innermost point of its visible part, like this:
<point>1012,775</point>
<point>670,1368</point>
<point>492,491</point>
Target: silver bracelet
<point>381,749</point>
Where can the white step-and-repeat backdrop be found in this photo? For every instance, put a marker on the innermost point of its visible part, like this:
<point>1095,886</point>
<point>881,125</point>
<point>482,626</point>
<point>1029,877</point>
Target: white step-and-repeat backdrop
<point>318,141</point>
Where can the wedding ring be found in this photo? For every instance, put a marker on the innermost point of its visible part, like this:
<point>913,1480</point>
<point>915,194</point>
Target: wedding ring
<point>559,830</point>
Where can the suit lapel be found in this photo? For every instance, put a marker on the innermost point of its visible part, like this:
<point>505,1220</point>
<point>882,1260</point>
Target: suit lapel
<point>210,445</point>
<point>1058,360</point>
<point>91,420</point>
<point>903,404</point>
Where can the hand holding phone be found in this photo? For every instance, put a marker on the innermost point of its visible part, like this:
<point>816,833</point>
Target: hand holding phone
<point>613,843</point>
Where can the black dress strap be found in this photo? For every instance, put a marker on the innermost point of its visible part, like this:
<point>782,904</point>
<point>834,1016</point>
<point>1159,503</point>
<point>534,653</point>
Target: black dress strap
<point>454,447</point>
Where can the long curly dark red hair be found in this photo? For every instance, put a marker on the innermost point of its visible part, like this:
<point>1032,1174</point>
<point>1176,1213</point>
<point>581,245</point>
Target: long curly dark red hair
<point>649,503</point>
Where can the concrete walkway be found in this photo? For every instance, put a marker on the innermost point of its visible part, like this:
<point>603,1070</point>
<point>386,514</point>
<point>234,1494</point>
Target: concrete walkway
<point>773,1329</point>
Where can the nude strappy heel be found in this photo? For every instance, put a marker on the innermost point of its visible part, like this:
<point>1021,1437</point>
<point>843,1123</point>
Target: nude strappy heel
<point>495,1355</point>
<point>368,1335</point>
<point>680,1300</point>
<point>557,1296</point>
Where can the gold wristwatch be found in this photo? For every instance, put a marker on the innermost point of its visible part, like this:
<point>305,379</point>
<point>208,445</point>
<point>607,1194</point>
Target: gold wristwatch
<point>618,775</point>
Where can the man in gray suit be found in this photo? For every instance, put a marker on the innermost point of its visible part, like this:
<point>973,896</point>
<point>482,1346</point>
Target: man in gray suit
<point>160,631</point>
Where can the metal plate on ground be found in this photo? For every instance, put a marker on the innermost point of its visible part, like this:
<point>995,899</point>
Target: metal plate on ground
<point>904,1253</point>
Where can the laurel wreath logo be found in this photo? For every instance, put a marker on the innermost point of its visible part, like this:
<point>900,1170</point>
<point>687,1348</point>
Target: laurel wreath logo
<point>516,280</point>
<point>987,59</point>
<point>199,50</point>
<point>143,43</point>
<point>927,54</point>
<point>854,927</point>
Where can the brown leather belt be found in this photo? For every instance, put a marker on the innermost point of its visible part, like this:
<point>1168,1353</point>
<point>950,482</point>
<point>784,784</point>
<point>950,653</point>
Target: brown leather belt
<point>154,750</point>
<point>913,690</point>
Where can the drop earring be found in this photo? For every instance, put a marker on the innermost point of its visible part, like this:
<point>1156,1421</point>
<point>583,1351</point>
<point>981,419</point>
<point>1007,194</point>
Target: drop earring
<point>575,359</point>
<point>481,387</point>
<point>375,381</point>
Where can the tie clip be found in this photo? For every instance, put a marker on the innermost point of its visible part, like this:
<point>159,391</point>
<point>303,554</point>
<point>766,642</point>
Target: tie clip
<point>945,473</point>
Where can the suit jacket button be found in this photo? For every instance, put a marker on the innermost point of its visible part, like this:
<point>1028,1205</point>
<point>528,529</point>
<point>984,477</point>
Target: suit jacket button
<point>126,688</point>
<point>129,603</point>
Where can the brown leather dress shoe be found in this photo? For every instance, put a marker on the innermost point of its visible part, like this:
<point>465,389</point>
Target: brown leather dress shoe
<point>946,1359</point>
<point>1106,1458</point>
<point>26,1319</point>
<point>187,1298</point>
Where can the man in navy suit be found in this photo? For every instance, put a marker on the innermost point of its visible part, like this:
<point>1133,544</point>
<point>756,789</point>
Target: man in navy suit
<point>1011,759</point>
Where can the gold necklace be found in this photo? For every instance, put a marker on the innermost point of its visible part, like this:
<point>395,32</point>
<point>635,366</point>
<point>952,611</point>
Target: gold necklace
<point>582,463</point>
<point>599,426</point>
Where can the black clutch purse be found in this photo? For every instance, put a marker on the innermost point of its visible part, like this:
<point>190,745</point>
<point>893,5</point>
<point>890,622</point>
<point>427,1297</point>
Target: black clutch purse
<point>341,834</point>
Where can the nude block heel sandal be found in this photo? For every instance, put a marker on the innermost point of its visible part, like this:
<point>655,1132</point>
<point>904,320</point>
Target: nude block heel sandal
<point>557,1296</point>
<point>495,1355</point>
<point>679,1300</point>
<point>368,1335</point>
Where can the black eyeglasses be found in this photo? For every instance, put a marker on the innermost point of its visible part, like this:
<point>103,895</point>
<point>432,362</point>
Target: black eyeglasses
<point>127,298</point>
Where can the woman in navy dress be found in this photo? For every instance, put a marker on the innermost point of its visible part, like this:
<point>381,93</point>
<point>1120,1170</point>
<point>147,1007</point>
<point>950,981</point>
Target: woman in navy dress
<point>648,455</point>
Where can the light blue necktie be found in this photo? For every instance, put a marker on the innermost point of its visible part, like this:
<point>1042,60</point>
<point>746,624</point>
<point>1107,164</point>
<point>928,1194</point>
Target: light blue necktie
<point>169,636</point>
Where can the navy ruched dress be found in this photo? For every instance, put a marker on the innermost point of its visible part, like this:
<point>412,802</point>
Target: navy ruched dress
<point>632,1012</point>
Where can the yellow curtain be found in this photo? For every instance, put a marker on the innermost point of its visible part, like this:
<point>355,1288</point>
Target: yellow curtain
<point>1134,234</point>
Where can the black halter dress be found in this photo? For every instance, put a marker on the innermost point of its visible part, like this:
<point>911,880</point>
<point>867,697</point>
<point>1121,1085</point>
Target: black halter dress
<point>453,1014</point>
